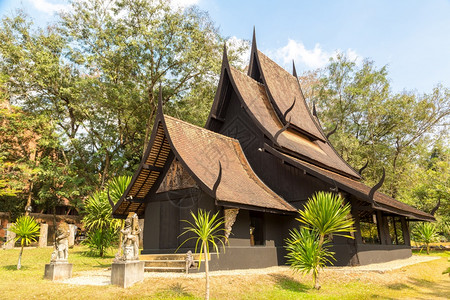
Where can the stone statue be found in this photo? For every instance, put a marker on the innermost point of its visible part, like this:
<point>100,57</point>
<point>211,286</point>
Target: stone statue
<point>61,248</point>
<point>130,239</point>
<point>190,262</point>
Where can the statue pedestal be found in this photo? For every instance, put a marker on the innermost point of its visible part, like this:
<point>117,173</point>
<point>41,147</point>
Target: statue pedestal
<point>127,273</point>
<point>58,271</point>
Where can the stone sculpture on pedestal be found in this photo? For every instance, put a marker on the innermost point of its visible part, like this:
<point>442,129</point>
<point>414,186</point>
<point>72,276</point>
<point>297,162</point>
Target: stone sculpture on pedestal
<point>126,268</point>
<point>59,267</point>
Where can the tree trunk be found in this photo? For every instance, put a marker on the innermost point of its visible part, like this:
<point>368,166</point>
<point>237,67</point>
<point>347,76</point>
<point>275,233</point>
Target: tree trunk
<point>316,280</point>
<point>29,198</point>
<point>19,263</point>
<point>205,249</point>
<point>428,249</point>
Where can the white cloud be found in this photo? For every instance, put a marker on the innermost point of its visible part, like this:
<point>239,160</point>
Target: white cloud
<point>312,58</point>
<point>47,7</point>
<point>235,44</point>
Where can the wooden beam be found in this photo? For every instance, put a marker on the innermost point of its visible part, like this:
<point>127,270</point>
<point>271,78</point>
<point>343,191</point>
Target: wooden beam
<point>151,168</point>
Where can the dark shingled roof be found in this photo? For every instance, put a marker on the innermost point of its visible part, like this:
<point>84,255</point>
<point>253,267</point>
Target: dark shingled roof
<point>380,201</point>
<point>283,88</point>
<point>254,96</point>
<point>199,151</point>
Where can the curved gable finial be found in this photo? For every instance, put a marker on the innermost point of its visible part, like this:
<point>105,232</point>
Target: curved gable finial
<point>363,167</point>
<point>332,131</point>
<point>285,127</point>
<point>216,184</point>
<point>314,112</point>
<point>377,186</point>
<point>289,109</point>
<point>110,200</point>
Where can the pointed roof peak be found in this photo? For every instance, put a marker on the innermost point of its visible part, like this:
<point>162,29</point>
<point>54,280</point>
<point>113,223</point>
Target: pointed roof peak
<point>225,61</point>
<point>160,101</point>
<point>254,47</point>
<point>294,71</point>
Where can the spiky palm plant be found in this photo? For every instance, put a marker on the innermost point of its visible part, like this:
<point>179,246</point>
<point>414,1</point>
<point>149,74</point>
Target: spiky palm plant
<point>27,230</point>
<point>98,219</point>
<point>305,254</point>
<point>116,188</point>
<point>207,232</point>
<point>425,233</point>
<point>324,214</point>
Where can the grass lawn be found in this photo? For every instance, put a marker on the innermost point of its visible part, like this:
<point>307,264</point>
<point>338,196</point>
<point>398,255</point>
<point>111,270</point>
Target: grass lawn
<point>420,281</point>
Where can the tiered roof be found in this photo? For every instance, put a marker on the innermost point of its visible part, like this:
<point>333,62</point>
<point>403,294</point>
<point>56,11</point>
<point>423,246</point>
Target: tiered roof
<point>215,162</point>
<point>267,93</point>
<point>274,101</point>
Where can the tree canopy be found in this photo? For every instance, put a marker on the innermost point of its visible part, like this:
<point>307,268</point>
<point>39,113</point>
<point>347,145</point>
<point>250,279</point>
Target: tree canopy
<point>93,75</point>
<point>406,133</point>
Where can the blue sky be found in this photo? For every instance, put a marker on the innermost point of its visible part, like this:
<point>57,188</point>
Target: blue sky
<point>411,37</point>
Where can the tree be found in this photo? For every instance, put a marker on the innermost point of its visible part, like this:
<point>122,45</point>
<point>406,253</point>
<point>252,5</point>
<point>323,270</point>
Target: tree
<point>305,254</point>
<point>27,230</point>
<point>207,231</point>
<point>33,167</point>
<point>374,124</point>
<point>425,233</point>
<point>323,215</point>
<point>96,71</point>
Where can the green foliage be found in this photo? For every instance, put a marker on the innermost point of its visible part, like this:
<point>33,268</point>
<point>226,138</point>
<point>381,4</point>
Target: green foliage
<point>100,240</point>
<point>27,230</point>
<point>208,232</point>
<point>406,133</point>
<point>324,214</point>
<point>98,220</point>
<point>117,187</point>
<point>304,252</point>
<point>425,233</point>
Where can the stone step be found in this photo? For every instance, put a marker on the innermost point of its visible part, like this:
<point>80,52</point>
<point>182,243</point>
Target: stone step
<point>164,269</point>
<point>165,263</point>
<point>182,256</point>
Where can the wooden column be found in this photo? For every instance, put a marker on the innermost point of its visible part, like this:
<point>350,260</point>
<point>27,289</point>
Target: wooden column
<point>405,229</point>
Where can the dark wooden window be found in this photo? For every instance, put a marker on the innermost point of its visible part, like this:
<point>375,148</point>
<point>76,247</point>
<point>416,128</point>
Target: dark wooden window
<point>369,229</point>
<point>256,229</point>
<point>395,231</point>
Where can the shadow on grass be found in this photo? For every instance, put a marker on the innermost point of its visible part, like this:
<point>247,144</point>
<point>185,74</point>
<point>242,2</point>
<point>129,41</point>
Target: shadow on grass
<point>398,286</point>
<point>287,283</point>
<point>433,288</point>
<point>14,268</point>
<point>176,290</point>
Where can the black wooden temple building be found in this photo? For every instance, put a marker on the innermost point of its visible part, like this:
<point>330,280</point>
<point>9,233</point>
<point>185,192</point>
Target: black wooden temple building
<point>261,155</point>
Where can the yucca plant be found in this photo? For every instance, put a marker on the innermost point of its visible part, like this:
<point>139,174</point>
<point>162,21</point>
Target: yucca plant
<point>305,254</point>
<point>324,214</point>
<point>116,188</point>
<point>98,219</point>
<point>425,233</point>
<point>27,230</point>
<point>208,232</point>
